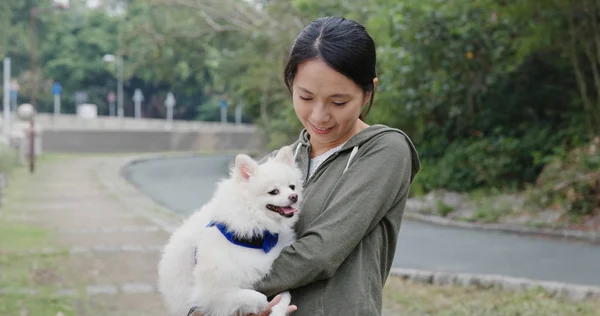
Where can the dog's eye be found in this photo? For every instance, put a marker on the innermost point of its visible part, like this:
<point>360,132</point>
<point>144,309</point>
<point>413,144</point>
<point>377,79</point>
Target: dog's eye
<point>293,187</point>
<point>274,192</point>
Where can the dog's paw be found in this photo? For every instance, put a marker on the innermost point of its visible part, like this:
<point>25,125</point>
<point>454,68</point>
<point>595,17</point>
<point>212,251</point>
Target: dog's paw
<point>279,310</point>
<point>252,302</point>
<point>282,307</point>
<point>234,302</point>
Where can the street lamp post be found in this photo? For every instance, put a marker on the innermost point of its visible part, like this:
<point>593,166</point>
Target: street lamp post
<point>56,4</point>
<point>119,59</point>
<point>170,104</point>
<point>26,112</point>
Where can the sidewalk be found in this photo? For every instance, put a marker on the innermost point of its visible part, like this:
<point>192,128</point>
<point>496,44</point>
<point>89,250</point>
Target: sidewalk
<point>113,250</point>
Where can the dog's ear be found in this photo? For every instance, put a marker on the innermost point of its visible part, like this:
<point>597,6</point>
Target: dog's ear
<point>286,155</point>
<point>244,166</point>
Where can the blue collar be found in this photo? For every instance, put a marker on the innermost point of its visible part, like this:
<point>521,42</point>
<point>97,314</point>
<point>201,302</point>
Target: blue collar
<point>266,242</point>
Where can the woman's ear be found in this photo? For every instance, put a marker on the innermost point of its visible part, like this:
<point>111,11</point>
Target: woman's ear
<point>369,94</point>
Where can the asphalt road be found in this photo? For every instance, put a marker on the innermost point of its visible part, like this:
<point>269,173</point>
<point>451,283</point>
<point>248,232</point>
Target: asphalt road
<point>184,184</point>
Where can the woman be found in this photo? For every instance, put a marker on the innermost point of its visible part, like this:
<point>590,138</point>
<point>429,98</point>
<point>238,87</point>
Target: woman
<point>357,177</point>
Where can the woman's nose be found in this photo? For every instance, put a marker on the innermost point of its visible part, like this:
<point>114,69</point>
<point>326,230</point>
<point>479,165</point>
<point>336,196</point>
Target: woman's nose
<point>319,114</point>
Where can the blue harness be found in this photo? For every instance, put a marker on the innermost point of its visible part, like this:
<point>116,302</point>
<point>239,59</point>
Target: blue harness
<point>266,242</point>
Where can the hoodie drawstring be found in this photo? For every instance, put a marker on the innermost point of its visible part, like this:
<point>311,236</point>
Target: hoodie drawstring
<point>297,150</point>
<point>352,154</point>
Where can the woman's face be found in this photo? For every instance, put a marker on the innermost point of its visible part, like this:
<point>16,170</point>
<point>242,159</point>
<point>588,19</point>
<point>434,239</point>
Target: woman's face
<point>327,103</point>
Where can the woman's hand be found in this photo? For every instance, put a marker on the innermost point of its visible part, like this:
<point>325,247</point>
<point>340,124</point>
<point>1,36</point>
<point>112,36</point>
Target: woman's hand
<point>267,312</point>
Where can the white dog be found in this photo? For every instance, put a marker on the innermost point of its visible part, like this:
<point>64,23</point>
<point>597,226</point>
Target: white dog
<point>212,261</point>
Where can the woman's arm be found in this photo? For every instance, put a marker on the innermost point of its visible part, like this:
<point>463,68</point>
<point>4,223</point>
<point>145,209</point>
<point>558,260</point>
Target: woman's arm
<point>376,180</point>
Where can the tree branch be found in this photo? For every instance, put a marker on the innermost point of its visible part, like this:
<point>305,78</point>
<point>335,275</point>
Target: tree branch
<point>226,11</point>
<point>579,76</point>
<point>594,21</point>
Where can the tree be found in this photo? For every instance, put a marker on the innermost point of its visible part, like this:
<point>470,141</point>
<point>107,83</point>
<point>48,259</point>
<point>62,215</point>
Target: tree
<point>569,29</point>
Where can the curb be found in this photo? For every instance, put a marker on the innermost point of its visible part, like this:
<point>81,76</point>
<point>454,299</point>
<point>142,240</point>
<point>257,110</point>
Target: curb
<point>110,175</point>
<point>574,292</point>
<point>118,184</point>
<point>124,174</point>
<point>590,237</point>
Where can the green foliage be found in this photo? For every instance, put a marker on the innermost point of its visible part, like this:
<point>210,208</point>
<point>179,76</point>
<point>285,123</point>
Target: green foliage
<point>481,112</point>
<point>489,91</point>
<point>492,161</point>
<point>442,208</point>
<point>569,30</point>
<point>571,181</point>
<point>209,111</point>
<point>446,62</point>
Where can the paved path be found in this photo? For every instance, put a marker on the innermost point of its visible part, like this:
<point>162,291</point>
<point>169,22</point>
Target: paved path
<point>184,184</point>
<point>113,250</point>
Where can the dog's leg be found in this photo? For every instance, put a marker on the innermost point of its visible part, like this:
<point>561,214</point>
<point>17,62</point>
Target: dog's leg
<point>230,302</point>
<point>250,301</point>
<point>281,308</point>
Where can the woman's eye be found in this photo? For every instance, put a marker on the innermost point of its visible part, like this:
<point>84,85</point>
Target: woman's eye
<point>274,192</point>
<point>305,99</point>
<point>339,103</point>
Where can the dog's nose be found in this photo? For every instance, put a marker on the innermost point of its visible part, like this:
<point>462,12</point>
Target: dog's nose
<point>294,197</point>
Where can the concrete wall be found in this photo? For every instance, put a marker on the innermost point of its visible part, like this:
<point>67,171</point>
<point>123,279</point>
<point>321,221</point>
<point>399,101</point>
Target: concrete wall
<point>67,133</point>
<point>68,122</point>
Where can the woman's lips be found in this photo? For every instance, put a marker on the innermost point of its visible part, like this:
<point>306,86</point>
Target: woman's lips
<point>320,131</point>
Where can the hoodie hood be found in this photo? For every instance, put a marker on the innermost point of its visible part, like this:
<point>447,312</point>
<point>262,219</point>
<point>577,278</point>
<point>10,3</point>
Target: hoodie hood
<point>364,136</point>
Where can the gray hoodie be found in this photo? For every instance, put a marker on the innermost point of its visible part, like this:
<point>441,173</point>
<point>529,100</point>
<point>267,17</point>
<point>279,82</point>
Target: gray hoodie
<point>348,226</point>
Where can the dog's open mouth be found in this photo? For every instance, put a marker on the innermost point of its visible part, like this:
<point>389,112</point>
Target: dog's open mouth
<point>286,211</point>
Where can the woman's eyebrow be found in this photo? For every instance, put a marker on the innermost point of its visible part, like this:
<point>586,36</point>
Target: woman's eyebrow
<point>304,90</point>
<point>340,95</point>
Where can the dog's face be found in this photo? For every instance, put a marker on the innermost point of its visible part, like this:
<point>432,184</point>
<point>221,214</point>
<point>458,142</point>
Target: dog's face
<point>274,187</point>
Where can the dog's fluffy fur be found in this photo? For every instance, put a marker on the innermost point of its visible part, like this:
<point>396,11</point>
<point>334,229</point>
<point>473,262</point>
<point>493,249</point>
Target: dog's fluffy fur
<point>201,268</point>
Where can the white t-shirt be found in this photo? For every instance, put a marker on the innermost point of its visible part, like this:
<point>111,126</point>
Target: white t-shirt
<point>318,160</point>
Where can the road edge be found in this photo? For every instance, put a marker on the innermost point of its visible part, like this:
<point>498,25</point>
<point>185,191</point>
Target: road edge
<point>575,235</point>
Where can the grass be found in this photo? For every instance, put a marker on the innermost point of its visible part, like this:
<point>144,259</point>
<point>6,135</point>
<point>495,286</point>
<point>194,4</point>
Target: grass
<point>34,305</point>
<point>404,297</point>
<point>19,270</point>
<point>28,271</point>
<point>490,211</point>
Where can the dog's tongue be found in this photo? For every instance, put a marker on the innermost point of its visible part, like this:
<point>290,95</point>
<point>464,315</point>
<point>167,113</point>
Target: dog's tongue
<point>289,210</point>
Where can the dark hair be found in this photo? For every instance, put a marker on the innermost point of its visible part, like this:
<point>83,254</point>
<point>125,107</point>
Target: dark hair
<point>342,44</point>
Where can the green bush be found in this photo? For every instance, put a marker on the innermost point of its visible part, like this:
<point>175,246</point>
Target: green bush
<point>571,182</point>
<point>504,160</point>
<point>443,209</point>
